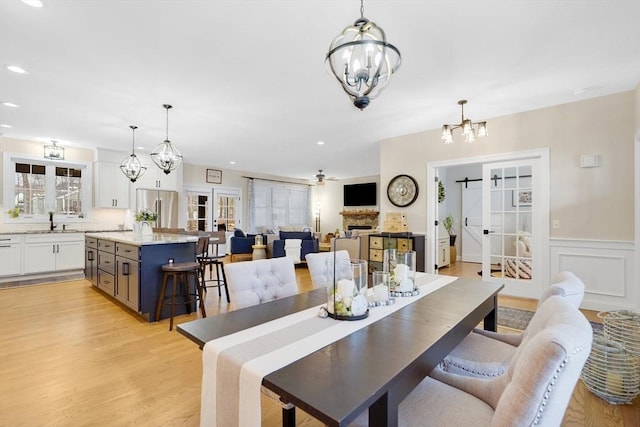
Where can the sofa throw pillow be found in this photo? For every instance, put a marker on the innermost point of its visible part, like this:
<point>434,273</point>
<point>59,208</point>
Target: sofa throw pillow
<point>238,233</point>
<point>303,235</point>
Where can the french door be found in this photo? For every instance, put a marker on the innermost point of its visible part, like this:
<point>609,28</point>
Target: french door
<point>512,226</point>
<point>198,209</point>
<point>226,209</point>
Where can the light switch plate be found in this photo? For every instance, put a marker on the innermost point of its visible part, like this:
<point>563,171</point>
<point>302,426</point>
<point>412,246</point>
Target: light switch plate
<point>589,160</point>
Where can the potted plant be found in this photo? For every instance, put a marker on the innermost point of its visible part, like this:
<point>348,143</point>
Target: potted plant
<point>447,222</point>
<point>14,213</point>
<point>448,225</point>
<point>143,220</point>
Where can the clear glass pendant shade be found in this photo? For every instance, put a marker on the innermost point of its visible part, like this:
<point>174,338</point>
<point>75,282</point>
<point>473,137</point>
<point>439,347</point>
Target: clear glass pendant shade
<point>166,155</point>
<point>362,61</point>
<point>132,167</point>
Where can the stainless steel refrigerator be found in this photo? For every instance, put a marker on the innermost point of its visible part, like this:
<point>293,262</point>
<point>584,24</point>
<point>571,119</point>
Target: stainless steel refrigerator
<point>162,202</point>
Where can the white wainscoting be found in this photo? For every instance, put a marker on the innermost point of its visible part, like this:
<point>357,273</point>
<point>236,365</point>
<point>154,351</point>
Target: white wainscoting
<point>606,268</point>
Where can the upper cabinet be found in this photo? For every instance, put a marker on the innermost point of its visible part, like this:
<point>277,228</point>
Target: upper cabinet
<point>154,177</point>
<point>111,186</point>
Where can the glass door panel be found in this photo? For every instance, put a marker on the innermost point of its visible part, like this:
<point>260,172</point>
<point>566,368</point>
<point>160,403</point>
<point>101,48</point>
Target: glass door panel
<point>198,208</point>
<point>507,220</point>
<point>226,210</point>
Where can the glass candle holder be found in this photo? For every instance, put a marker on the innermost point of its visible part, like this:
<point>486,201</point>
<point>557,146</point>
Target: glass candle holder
<point>347,289</point>
<point>405,272</point>
<point>380,286</point>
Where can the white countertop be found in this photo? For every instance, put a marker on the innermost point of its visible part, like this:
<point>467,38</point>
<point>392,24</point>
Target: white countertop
<point>131,238</point>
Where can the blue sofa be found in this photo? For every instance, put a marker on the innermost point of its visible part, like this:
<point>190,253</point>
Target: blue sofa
<point>240,243</point>
<point>309,243</point>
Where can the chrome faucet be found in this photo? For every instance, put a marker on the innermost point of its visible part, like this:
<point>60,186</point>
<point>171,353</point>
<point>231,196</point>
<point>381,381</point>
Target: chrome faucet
<point>51,226</point>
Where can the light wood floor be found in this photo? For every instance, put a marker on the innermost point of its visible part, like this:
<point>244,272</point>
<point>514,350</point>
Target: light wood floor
<point>71,357</point>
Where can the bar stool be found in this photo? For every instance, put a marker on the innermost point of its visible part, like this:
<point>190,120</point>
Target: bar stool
<point>180,272</point>
<point>216,238</point>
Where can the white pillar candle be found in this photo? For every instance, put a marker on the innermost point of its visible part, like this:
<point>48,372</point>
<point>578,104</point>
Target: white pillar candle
<point>380,293</point>
<point>401,272</point>
<point>346,288</point>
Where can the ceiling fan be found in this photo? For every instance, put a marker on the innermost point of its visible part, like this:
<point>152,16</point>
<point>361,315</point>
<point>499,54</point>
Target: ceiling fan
<point>321,178</point>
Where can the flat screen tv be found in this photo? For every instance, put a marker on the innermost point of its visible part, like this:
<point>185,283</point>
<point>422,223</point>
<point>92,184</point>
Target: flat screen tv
<point>360,194</point>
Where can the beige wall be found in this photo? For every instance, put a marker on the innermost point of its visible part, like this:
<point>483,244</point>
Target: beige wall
<point>330,197</point>
<point>591,203</point>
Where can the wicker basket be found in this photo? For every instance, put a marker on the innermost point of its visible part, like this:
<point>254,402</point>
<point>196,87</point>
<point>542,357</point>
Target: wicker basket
<point>612,371</point>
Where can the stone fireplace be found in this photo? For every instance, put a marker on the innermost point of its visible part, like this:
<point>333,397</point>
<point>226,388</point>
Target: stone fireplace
<point>359,218</point>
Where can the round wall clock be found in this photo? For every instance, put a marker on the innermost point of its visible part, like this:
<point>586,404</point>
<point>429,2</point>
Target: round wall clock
<point>402,190</point>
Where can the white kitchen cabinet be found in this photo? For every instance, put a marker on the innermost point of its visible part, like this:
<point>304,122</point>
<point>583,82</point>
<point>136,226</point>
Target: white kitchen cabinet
<point>155,177</point>
<point>53,252</point>
<point>111,186</point>
<point>10,254</point>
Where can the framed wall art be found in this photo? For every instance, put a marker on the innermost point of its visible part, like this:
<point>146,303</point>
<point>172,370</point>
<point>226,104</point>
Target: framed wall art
<point>521,198</point>
<point>214,176</point>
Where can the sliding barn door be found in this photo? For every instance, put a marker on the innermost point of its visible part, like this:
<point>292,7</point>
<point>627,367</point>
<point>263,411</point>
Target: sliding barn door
<point>472,222</point>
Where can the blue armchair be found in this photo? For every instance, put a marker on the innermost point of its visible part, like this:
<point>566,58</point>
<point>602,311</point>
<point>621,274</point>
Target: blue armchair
<point>309,243</point>
<point>241,243</point>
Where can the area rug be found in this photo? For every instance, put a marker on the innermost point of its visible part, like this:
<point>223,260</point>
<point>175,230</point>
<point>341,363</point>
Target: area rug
<point>514,318</point>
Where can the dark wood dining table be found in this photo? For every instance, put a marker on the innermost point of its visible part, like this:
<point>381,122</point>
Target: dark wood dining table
<point>374,368</point>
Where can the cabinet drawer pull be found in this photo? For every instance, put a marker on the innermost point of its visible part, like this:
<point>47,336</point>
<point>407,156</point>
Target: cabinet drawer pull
<point>4,239</point>
<point>5,246</point>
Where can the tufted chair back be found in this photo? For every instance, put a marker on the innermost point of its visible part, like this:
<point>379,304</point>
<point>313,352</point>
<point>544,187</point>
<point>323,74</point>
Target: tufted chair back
<point>255,282</point>
<point>320,263</point>
<point>544,371</point>
<point>539,381</point>
<point>565,284</point>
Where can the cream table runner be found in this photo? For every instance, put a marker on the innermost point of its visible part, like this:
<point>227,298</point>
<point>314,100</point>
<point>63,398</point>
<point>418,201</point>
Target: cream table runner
<point>233,366</point>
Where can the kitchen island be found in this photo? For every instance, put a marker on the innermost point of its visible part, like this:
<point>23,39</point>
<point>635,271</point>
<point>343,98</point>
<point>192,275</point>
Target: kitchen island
<point>127,267</point>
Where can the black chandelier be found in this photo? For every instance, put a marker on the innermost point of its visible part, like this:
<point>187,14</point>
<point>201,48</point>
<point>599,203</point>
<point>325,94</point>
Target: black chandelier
<point>362,60</point>
<point>166,155</point>
<point>132,167</point>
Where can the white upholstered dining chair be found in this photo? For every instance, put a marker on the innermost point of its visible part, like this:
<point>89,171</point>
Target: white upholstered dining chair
<point>488,346</point>
<point>535,389</point>
<point>255,282</point>
<point>320,264</point>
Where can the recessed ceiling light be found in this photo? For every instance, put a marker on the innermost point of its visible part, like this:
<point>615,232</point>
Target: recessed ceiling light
<point>581,90</point>
<point>140,147</point>
<point>16,69</point>
<point>10,104</point>
<point>4,125</point>
<point>320,142</point>
<point>232,162</point>
<point>33,3</point>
